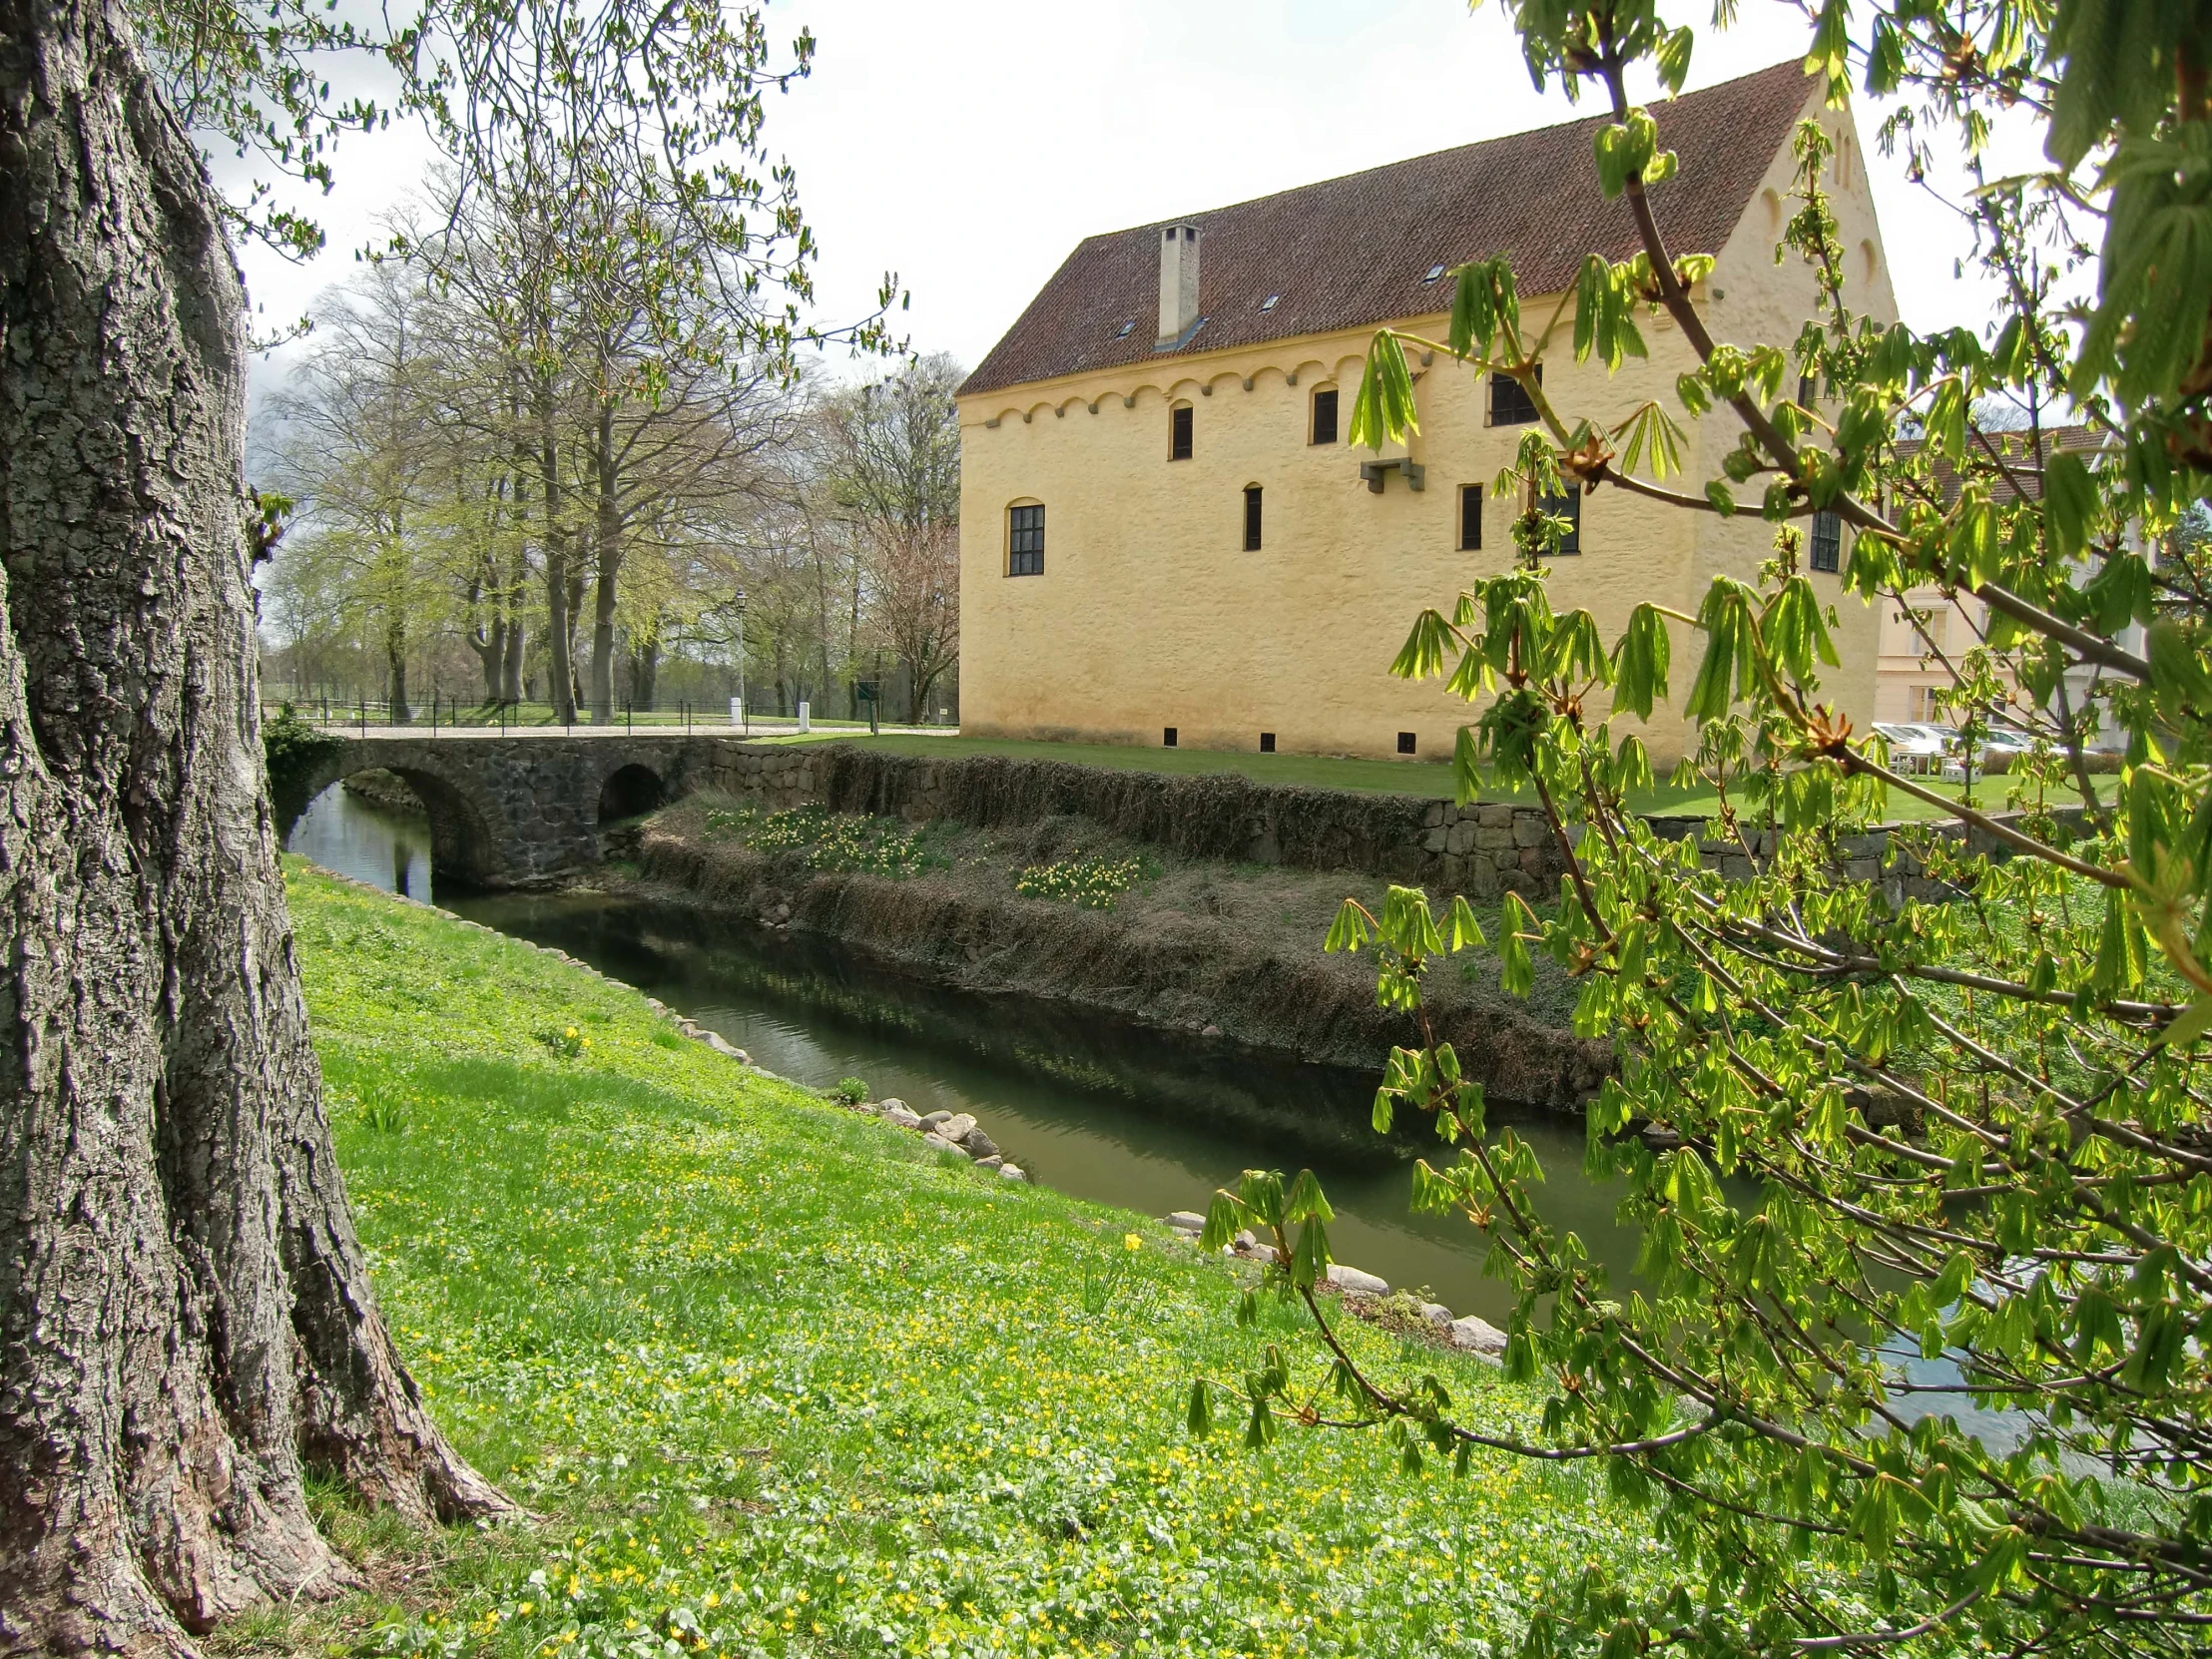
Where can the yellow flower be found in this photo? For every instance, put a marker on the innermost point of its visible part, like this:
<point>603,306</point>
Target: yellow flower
<point>570,1032</point>
<point>1133,1240</point>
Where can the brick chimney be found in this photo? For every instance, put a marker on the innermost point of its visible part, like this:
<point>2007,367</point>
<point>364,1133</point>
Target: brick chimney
<point>1178,282</point>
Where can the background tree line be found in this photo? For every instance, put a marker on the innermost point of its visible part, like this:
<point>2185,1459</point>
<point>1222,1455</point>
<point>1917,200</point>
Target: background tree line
<point>524,492</point>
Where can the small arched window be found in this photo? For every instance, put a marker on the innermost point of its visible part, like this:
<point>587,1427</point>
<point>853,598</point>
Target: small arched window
<point>1325,415</point>
<point>1252,518</point>
<point>1025,539</point>
<point>1179,432</point>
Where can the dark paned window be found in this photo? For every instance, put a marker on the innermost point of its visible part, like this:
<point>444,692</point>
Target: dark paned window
<point>1252,518</point>
<point>1568,507</point>
<point>1828,540</point>
<point>1510,404</point>
<point>1325,415</point>
<point>1471,518</point>
<point>1025,541</point>
<point>1179,433</point>
<point>1406,743</point>
<point>1267,743</point>
<point>1167,737</point>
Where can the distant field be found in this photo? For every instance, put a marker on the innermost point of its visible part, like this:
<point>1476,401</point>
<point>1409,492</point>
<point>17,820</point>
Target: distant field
<point>1428,778</point>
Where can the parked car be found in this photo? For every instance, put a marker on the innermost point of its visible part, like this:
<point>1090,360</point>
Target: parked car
<point>1912,747</point>
<point>2008,740</point>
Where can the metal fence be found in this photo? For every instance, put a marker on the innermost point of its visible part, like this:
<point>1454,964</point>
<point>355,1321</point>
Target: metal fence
<point>441,714</point>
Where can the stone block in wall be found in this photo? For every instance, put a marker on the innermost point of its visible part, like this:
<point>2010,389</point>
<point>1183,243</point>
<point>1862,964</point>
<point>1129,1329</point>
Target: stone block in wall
<point>1405,864</point>
<point>1736,867</point>
<point>1530,828</point>
<point>1462,838</point>
<point>1435,813</point>
<point>1493,835</point>
<point>1454,872</point>
<point>1534,859</point>
<point>1494,814</point>
<point>1862,870</point>
<point>1436,839</point>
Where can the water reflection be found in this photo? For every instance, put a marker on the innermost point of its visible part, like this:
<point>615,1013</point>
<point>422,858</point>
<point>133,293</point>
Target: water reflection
<point>381,845</point>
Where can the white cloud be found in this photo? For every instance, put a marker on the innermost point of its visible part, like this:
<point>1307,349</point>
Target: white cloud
<point>970,147</point>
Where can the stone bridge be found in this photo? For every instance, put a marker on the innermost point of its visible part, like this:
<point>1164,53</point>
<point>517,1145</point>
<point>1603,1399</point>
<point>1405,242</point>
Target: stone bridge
<point>522,809</point>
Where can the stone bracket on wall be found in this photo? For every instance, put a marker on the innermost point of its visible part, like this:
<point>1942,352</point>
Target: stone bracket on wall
<point>1375,473</point>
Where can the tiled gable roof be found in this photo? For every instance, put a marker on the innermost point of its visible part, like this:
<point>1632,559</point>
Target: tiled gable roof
<point>1351,252</point>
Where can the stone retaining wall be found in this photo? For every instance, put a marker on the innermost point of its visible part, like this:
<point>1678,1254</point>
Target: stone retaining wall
<point>1482,850</point>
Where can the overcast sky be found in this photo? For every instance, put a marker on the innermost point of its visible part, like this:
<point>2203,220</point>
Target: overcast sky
<point>969,145</point>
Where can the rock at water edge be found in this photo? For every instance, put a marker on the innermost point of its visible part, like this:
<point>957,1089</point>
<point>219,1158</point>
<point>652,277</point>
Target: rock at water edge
<point>898,1112</point>
<point>888,1102</point>
<point>1351,1280</point>
<point>1187,1221</point>
<point>993,1161</point>
<point>937,1143</point>
<point>959,1127</point>
<point>979,1145</point>
<point>931,1120</point>
<point>1478,1335</point>
<point>1436,1313</point>
<point>1013,1172</point>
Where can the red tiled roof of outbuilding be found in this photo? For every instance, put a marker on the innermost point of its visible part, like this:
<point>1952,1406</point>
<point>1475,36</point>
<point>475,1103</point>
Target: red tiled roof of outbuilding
<point>1351,252</point>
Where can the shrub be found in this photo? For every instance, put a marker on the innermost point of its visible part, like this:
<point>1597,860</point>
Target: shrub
<point>849,1090</point>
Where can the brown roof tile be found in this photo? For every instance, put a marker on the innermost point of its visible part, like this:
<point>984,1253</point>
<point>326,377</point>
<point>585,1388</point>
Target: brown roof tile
<point>1351,252</point>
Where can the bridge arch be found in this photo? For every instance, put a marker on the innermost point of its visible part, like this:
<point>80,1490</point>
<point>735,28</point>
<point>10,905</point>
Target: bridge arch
<point>465,841</point>
<point>631,790</point>
<point>471,839</point>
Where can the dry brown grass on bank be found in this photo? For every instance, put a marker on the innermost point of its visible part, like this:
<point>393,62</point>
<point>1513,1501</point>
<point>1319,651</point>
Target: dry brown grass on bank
<point>1196,944</point>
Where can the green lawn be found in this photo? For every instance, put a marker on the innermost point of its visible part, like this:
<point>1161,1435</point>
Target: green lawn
<point>779,1381</point>
<point>1425,778</point>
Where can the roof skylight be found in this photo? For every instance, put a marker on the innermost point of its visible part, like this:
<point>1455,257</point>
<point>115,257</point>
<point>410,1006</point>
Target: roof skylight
<point>1123,332</point>
<point>1268,304</point>
<point>1435,272</point>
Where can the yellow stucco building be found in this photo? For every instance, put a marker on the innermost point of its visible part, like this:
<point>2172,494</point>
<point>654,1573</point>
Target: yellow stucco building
<point>1165,536</point>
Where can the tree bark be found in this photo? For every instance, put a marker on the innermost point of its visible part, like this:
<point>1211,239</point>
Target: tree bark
<point>185,1318</point>
<point>610,569</point>
<point>560,680</point>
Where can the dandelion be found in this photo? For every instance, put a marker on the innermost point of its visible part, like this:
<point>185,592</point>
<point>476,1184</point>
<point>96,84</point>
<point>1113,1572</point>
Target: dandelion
<point>1132,1241</point>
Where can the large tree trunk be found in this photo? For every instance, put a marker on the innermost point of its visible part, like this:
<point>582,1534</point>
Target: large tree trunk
<point>186,1319</point>
<point>559,679</point>
<point>610,569</point>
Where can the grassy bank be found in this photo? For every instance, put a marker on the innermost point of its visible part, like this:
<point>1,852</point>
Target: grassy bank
<point>776,1380</point>
<point>1322,772</point>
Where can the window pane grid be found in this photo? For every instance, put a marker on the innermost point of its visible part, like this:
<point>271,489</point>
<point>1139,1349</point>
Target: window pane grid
<point>1510,404</point>
<point>1828,540</point>
<point>1025,541</point>
<point>1568,507</point>
<point>1324,416</point>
